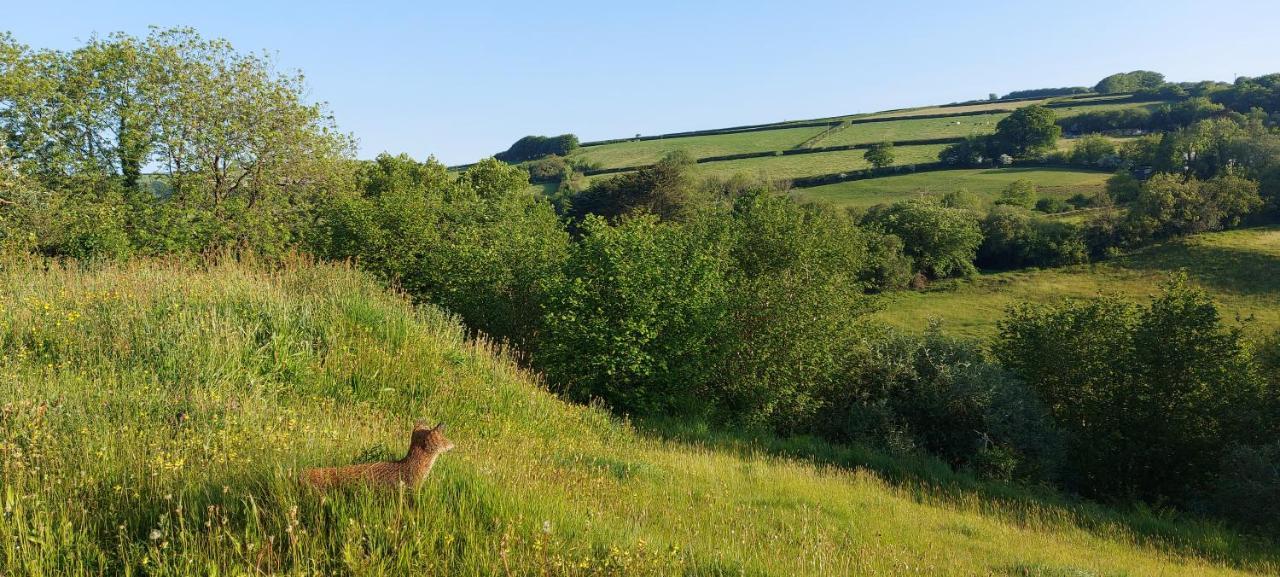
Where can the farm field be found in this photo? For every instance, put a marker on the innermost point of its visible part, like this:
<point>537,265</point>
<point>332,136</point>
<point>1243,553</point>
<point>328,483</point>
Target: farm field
<point>984,183</point>
<point>1241,268</point>
<point>798,165</point>
<point>919,128</point>
<point>194,393</point>
<point>643,152</point>
<point>640,153</point>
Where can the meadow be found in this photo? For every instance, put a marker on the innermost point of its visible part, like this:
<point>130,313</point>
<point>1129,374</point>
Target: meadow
<point>985,184</point>
<point>1240,268</point>
<point>156,414</point>
<point>798,165</point>
<point>644,152</point>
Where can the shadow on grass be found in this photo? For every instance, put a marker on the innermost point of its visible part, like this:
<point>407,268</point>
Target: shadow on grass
<point>1227,269</point>
<point>930,481</point>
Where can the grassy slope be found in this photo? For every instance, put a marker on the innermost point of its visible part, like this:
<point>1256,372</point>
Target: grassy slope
<point>913,129</point>
<point>984,183</point>
<point>155,416</point>
<point>639,153</point>
<point>797,165</point>
<point>1241,268</point>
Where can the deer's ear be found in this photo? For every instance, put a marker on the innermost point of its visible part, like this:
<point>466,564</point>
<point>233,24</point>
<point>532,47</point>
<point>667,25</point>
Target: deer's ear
<point>440,427</point>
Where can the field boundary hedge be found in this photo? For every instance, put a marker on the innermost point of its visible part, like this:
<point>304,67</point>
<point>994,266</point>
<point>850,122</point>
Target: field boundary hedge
<point>865,173</point>
<point>789,152</point>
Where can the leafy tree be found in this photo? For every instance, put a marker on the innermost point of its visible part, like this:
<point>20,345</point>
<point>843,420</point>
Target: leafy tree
<point>1095,150</point>
<point>535,147</point>
<point>879,155</point>
<point>664,189</point>
<point>971,151</point>
<point>1129,82</point>
<point>479,245</point>
<point>1028,131</point>
<point>635,318</point>
<point>1171,205</point>
<point>797,306</point>
<point>942,241</point>
<point>1123,187</point>
<point>1021,193</point>
<point>1149,395</point>
<point>946,396</point>
<point>1013,237</point>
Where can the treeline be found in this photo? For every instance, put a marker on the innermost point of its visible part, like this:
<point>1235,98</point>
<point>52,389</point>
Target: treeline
<point>1046,92</point>
<point>660,295</point>
<point>535,147</point>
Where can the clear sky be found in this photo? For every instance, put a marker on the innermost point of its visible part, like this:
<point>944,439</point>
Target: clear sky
<point>462,80</point>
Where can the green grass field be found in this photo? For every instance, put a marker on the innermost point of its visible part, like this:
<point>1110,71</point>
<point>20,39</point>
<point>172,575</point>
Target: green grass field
<point>797,165</point>
<point>155,417</point>
<point>986,184</point>
<point>1241,268</point>
<point>893,130</point>
<point>640,153</point>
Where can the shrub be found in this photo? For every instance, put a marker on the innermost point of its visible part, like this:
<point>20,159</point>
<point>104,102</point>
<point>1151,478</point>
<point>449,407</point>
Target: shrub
<point>945,396</point>
<point>1247,489</point>
<point>1053,205</point>
<point>634,319</point>
<point>1021,193</point>
<point>1015,238</point>
<point>1148,396</point>
<point>665,189</point>
<point>1170,205</point>
<point>1123,187</point>
<point>479,245</point>
<point>1095,150</point>
<point>799,274</point>
<point>549,169</point>
<point>942,241</point>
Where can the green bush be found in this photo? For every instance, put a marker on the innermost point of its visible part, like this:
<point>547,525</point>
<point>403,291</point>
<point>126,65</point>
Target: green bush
<point>479,245</point>
<point>943,395</point>
<point>1053,206</point>
<point>1148,396</point>
<point>634,319</point>
<point>535,147</point>
<point>942,241</point>
<point>1014,238</point>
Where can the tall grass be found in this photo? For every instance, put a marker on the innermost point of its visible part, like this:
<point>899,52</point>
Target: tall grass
<point>154,417</point>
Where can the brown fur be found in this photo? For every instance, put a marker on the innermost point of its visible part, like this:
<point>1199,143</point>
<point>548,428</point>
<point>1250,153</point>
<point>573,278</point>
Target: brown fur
<point>425,445</point>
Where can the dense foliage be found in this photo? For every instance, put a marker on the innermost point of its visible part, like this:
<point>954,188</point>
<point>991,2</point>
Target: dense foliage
<point>1129,82</point>
<point>535,147</point>
<point>1149,396</point>
<point>1046,92</point>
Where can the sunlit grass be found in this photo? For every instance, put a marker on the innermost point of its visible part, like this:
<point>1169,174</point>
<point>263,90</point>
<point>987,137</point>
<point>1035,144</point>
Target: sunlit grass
<point>154,416</point>
<point>984,184</point>
<point>1240,268</point>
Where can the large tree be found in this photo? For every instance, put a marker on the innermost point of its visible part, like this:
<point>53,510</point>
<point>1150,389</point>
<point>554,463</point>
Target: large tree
<point>1027,131</point>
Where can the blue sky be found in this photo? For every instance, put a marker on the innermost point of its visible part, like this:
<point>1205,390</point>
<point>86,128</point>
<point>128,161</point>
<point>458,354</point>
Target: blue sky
<point>462,80</point>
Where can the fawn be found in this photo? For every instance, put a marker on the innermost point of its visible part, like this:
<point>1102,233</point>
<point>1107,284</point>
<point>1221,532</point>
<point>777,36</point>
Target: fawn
<point>424,446</point>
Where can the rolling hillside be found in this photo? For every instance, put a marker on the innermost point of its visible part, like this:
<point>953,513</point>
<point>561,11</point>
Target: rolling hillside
<point>155,416</point>
<point>798,150</point>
